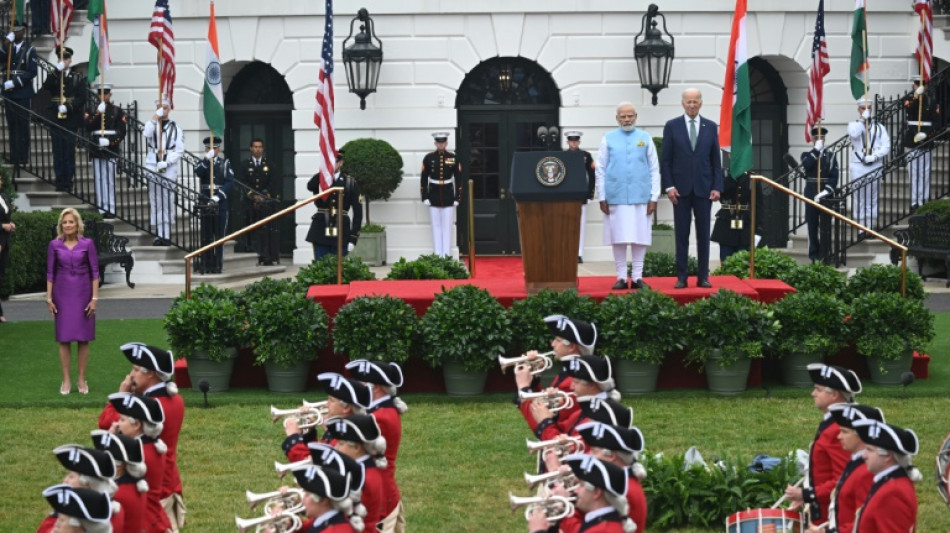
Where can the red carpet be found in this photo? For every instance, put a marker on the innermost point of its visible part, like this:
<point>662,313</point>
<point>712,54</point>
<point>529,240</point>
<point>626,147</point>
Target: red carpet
<point>498,267</point>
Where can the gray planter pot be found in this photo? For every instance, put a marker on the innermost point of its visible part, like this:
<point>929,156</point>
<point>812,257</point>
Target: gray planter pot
<point>461,382</point>
<point>216,373</point>
<point>892,368</point>
<point>635,377</point>
<point>795,371</point>
<point>371,248</point>
<point>287,380</point>
<point>664,241</point>
<point>727,380</point>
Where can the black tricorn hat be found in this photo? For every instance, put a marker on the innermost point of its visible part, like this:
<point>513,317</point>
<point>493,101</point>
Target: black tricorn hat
<point>85,504</point>
<point>590,368</point>
<point>138,407</point>
<point>846,414</point>
<point>150,357</point>
<point>604,475</point>
<point>887,436</point>
<point>325,483</point>
<point>607,411</point>
<point>86,461</point>
<point>572,329</point>
<point>120,447</point>
<point>327,458</point>
<point>353,428</point>
<point>377,372</point>
<point>610,437</point>
<point>836,377</point>
<point>345,389</point>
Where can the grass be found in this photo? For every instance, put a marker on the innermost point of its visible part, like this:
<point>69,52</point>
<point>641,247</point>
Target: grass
<point>458,460</point>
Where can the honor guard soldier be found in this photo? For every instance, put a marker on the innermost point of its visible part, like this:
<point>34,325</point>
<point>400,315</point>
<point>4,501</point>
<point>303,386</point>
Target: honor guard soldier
<point>621,446</point>
<point>344,397</point>
<point>821,180</point>
<point>441,189</point>
<point>921,119</point>
<point>731,227</point>
<point>129,476</point>
<point>107,126</point>
<point>870,143</point>
<point>213,202</point>
<point>67,92</point>
<point>18,91</point>
<point>891,504</point>
<point>90,509</point>
<point>165,142</point>
<point>325,500</point>
<point>826,457</point>
<point>263,199</point>
<point>573,145</point>
<point>359,437</point>
<point>323,226</point>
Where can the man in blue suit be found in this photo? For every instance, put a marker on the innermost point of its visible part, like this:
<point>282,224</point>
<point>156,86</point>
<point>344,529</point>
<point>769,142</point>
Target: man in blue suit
<point>691,172</point>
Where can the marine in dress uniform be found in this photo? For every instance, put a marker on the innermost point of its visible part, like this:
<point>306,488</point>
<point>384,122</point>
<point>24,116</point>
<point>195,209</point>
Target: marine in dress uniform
<point>130,472</point>
<point>165,142</point>
<point>922,116</point>
<point>826,457</point>
<point>628,187</point>
<point>108,134</point>
<point>18,92</point>
<point>601,505</point>
<point>92,509</point>
<point>359,440</point>
<point>67,92</point>
<point>821,180</point>
<point>573,145</point>
<point>891,504</point>
<point>257,174</point>
<point>440,185</point>
<point>323,225</point>
<point>870,143</point>
<point>213,202</point>
<point>621,446</point>
<point>731,227</point>
<point>152,373</point>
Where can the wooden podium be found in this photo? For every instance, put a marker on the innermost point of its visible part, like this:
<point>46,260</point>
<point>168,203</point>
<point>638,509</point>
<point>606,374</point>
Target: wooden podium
<point>549,189</point>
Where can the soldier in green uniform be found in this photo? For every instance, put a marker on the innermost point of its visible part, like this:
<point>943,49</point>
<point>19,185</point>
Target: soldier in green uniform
<point>257,175</point>
<point>441,188</point>
<point>323,227</point>
<point>67,92</point>
<point>573,145</point>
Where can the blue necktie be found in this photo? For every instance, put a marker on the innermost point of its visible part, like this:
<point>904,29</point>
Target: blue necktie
<point>692,133</point>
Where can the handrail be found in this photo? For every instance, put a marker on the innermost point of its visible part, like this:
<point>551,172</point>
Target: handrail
<point>892,243</point>
<point>471,227</point>
<point>265,221</point>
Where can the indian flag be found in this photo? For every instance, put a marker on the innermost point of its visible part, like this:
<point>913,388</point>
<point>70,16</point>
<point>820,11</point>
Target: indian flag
<point>211,96</point>
<point>735,119</point>
<point>99,59</point>
<point>859,50</point>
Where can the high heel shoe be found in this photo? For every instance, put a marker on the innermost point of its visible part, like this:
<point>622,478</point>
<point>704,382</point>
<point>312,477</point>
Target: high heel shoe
<point>64,388</point>
<point>83,387</point>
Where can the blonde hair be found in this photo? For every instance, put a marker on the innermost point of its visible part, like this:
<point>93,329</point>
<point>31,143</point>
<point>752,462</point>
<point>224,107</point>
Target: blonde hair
<point>80,227</point>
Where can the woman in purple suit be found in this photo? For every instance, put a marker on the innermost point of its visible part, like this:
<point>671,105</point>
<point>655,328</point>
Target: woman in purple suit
<point>72,293</point>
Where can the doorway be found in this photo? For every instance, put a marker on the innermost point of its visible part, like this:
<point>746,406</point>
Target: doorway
<point>769,143</point>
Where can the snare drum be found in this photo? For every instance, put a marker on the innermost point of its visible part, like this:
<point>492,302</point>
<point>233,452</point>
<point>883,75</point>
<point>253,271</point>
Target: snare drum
<point>943,471</point>
<point>764,521</point>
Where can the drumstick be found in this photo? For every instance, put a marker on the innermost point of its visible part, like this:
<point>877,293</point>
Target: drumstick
<point>782,499</point>
<point>822,525</point>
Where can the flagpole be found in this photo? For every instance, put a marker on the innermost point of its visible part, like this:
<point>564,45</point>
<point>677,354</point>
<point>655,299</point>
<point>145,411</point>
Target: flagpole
<point>820,152</point>
<point>161,123</point>
<point>10,43</point>
<point>211,131</point>
<point>864,37</point>
<point>920,57</point>
<point>62,46</point>
<point>102,77</point>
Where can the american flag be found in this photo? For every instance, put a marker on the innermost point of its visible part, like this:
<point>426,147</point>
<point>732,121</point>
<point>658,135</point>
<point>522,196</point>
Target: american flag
<point>162,37</point>
<point>61,14</point>
<point>323,112</point>
<point>820,66</point>
<point>924,51</point>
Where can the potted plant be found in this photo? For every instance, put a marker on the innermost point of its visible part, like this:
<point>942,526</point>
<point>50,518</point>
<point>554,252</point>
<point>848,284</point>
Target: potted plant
<point>888,328</point>
<point>884,278</point>
<point>377,168</point>
<point>529,331</point>
<point>285,329</point>
<point>380,328</point>
<point>638,330</point>
<point>323,272</point>
<point>664,238</point>
<point>429,266</point>
<point>813,328</point>
<point>663,264</point>
<point>725,332</point>
<point>818,277</point>
<point>464,331</point>
<point>207,330</point>
<point>769,264</point>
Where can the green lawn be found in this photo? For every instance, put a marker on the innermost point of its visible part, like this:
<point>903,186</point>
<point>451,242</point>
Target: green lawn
<point>459,458</point>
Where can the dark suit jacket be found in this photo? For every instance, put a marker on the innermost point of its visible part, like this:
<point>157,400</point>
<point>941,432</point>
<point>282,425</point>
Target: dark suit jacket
<point>695,172</point>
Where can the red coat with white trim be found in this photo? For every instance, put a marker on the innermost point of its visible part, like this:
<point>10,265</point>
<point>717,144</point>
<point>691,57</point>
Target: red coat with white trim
<point>133,505</point>
<point>826,460</point>
<point>390,427</point>
<point>373,495</point>
<point>607,523</point>
<point>561,383</point>
<point>853,490</point>
<point>155,520</point>
<point>891,509</point>
<point>637,500</point>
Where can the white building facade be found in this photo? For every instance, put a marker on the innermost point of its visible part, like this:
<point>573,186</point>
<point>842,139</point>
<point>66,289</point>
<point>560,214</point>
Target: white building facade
<point>579,53</point>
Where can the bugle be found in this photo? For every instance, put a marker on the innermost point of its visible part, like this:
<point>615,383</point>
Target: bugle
<point>562,446</point>
<point>554,507</point>
<point>320,407</point>
<point>282,468</point>
<point>276,523</point>
<point>290,500</point>
<point>537,364</point>
<point>548,478</point>
<point>307,418</point>
<point>555,401</point>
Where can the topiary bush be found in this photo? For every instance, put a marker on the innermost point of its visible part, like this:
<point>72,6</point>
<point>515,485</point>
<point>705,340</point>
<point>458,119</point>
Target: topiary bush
<point>466,325</point>
<point>380,328</point>
<point>375,165</point>
<point>812,323</point>
<point>286,328</point>
<point>940,207</point>
<point>641,326</point>
<point>428,266</point>
<point>267,288</point>
<point>210,321</point>
<point>736,325</point>
<point>323,272</point>
<point>769,264</point>
<point>527,316</point>
<point>662,264</point>
<point>886,325</point>
<point>818,277</point>
<point>884,278</point>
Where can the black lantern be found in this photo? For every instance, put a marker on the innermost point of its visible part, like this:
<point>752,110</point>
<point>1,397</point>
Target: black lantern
<point>654,55</point>
<point>363,58</point>
<point>504,78</point>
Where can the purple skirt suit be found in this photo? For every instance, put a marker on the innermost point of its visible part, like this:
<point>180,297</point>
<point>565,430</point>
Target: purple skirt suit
<point>72,272</point>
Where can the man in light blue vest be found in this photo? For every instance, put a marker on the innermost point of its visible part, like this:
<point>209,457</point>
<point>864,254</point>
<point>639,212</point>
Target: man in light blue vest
<point>628,187</point>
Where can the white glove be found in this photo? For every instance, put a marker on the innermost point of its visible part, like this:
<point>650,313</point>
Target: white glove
<point>855,129</point>
<point>919,91</point>
<point>60,66</point>
<point>866,114</point>
<point>350,247</point>
<point>919,138</point>
<point>210,154</point>
<point>160,112</point>
<point>11,37</point>
<point>426,202</point>
<point>819,144</point>
<point>103,141</point>
<point>101,107</point>
<point>8,84</point>
<point>870,159</point>
<point>215,199</point>
<point>161,165</point>
<point>62,109</point>
<point>455,204</point>
<point>821,195</point>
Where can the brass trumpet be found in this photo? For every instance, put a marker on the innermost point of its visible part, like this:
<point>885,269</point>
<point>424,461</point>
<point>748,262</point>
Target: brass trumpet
<point>561,446</point>
<point>319,406</point>
<point>282,468</point>
<point>277,523</point>
<point>276,502</point>
<point>537,365</point>
<point>549,478</point>
<point>554,401</point>
<point>307,418</point>
<point>554,507</point>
